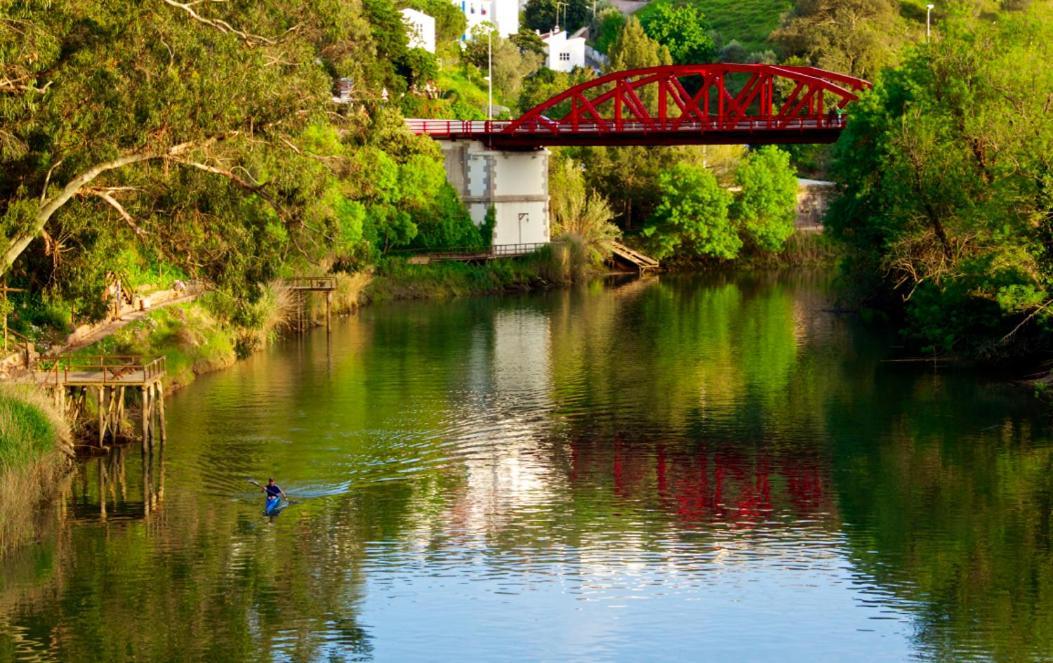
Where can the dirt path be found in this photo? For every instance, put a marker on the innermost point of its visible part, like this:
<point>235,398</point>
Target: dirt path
<point>89,334</point>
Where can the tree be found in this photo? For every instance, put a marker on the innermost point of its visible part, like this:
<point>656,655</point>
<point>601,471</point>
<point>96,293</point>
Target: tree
<point>511,65</point>
<point>945,168</point>
<point>628,176</point>
<point>692,216</point>
<point>450,21</point>
<point>544,15</point>
<point>683,29</point>
<point>634,49</point>
<point>766,205</point>
<point>199,138</point>
<point>856,37</point>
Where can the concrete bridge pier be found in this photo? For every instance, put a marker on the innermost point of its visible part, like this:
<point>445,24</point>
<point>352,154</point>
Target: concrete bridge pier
<point>514,183</point>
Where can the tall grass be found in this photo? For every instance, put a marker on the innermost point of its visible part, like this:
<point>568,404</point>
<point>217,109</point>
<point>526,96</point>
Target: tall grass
<point>29,427</point>
<point>35,453</point>
<point>581,217</point>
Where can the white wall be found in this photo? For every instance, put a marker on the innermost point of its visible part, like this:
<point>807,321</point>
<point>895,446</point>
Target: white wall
<point>564,54</point>
<point>515,183</point>
<point>420,28</point>
<point>504,14</point>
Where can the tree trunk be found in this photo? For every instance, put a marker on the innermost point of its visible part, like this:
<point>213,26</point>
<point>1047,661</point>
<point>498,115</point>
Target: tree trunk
<point>20,241</point>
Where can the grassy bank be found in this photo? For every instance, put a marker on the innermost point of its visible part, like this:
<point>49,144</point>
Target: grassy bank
<point>35,454</point>
<point>802,250</point>
<point>199,337</point>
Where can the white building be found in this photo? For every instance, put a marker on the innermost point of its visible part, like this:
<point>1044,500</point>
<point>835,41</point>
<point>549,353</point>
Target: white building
<point>515,184</point>
<point>504,14</point>
<point>564,53</point>
<point>420,28</point>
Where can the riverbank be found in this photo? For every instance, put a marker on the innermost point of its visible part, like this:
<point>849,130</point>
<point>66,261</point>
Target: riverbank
<point>198,337</point>
<point>35,454</point>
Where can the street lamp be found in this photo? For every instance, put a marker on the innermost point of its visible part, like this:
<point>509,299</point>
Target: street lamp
<point>928,22</point>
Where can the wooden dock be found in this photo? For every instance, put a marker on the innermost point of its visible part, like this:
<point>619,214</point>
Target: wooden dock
<point>302,287</point>
<point>638,261</point>
<point>111,383</point>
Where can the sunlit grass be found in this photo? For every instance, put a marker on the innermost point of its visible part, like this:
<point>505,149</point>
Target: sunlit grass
<point>747,21</point>
<point>29,427</point>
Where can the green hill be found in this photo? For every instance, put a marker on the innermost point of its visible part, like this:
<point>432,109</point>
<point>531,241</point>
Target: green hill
<point>748,21</point>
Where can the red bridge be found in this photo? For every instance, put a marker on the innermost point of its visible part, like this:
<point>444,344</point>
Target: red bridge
<point>703,104</point>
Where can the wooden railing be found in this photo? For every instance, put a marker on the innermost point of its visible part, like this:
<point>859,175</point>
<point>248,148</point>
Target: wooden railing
<point>479,253</point>
<point>101,369</point>
<point>311,283</point>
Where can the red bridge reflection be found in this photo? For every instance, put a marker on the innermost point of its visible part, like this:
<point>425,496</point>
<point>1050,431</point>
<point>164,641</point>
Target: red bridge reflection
<point>744,488</point>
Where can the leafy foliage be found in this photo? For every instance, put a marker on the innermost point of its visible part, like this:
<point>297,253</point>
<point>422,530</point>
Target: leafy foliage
<point>579,212</point>
<point>946,168</point>
<point>692,217</point>
<point>682,29</point>
<point>543,15</point>
<point>858,37</point>
<point>203,138</point>
<point>767,203</point>
<point>510,64</point>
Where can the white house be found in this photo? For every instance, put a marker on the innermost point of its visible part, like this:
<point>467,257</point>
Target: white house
<point>504,14</point>
<point>564,53</point>
<point>420,28</point>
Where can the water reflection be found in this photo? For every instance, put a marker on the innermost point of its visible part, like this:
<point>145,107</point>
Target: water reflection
<point>649,471</point>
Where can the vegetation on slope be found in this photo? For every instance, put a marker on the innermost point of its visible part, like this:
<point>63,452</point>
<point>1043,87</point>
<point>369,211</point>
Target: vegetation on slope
<point>946,170</point>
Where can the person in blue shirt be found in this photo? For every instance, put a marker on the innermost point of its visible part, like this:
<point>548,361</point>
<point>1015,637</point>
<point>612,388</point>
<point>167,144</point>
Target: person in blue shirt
<point>274,495</point>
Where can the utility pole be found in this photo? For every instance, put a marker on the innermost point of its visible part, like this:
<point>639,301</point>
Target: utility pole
<point>490,75</point>
<point>928,22</point>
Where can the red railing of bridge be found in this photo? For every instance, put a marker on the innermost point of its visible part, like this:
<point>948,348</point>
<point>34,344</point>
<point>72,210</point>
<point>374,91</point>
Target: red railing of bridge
<point>676,104</point>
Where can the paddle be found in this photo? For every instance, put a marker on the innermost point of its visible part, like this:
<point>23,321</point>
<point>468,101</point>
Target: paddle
<point>288,500</point>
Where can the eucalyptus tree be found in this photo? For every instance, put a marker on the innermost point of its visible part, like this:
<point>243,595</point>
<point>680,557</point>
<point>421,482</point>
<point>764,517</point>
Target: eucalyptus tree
<point>188,130</point>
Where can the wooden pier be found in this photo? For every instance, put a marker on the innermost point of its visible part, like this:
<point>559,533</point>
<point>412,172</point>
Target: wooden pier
<point>302,287</point>
<point>634,259</point>
<point>112,383</point>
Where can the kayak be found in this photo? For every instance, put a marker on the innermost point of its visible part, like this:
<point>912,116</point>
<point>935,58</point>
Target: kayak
<point>273,506</point>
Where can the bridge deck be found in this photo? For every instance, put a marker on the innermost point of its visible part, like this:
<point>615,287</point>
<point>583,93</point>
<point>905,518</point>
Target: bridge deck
<point>501,135</point>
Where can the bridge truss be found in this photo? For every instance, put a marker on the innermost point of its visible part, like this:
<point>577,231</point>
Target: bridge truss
<point>675,105</point>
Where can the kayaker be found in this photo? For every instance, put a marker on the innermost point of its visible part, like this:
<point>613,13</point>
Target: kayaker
<point>273,491</point>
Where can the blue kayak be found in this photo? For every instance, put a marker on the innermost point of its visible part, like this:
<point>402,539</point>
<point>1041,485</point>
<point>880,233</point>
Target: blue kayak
<point>273,506</point>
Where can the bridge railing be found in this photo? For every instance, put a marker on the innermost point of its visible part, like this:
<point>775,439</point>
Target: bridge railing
<point>476,128</point>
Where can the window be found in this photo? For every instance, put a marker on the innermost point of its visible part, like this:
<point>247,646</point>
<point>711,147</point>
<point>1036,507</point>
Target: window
<point>564,56</point>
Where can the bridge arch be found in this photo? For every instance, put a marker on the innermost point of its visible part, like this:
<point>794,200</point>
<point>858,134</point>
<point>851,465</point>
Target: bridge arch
<point>677,105</point>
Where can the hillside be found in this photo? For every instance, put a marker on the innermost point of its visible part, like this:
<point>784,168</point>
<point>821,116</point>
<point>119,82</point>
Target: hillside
<point>747,21</point>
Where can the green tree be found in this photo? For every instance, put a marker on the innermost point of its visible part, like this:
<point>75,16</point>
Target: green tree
<point>511,65</point>
<point>634,49</point>
<point>945,168</point>
<point>201,139</point>
<point>543,15</point>
<point>766,204</point>
<point>683,29</point>
<point>856,37</point>
<point>692,216</point>
<point>628,176</point>
<point>450,21</point>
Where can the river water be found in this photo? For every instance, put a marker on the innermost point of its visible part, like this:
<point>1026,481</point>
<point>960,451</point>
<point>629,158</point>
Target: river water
<point>684,468</point>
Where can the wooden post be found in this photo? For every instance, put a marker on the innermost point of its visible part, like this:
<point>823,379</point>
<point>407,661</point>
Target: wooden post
<point>119,417</point>
<point>102,490</point>
<point>328,311</point>
<point>161,410</point>
<point>146,415</point>
<point>102,414</point>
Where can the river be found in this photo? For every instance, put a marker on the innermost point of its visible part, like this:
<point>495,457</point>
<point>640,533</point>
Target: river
<point>715,468</point>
